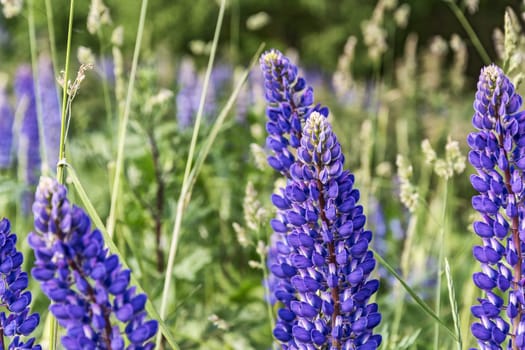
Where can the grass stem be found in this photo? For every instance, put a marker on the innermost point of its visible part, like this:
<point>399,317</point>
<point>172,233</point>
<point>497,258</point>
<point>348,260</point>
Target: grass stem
<point>123,126</point>
<point>65,113</point>
<point>441,255</point>
<point>470,31</point>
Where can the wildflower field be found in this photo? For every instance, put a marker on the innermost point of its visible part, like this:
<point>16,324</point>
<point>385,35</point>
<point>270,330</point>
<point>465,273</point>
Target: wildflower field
<point>242,174</point>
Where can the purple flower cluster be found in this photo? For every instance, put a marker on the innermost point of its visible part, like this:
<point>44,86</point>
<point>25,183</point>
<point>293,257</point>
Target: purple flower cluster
<point>498,155</point>
<point>190,90</point>
<point>51,112</point>
<point>7,119</point>
<point>289,101</point>
<point>17,321</point>
<point>321,259</point>
<point>89,289</point>
<point>28,142</point>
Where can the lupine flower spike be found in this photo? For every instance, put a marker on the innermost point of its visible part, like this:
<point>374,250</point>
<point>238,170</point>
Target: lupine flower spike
<point>89,289</point>
<point>289,101</point>
<point>17,321</point>
<point>498,155</point>
<point>322,261</point>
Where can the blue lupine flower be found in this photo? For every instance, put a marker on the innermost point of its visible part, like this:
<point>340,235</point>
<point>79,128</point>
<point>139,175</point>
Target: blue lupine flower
<point>6,130</point>
<point>319,247</point>
<point>88,287</point>
<point>51,111</point>
<point>289,101</point>
<point>323,262</point>
<point>17,321</point>
<point>28,141</point>
<point>498,154</point>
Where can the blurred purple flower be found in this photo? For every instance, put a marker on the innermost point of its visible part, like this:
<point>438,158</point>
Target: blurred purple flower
<point>51,111</point>
<point>28,141</point>
<point>190,84</point>
<point>6,130</point>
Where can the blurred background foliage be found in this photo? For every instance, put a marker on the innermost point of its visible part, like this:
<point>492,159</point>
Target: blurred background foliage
<point>316,29</point>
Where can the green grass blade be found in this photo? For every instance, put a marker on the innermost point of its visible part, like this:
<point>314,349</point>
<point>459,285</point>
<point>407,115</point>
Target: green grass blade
<point>64,116</point>
<point>453,305</point>
<point>113,249</point>
<point>202,100</point>
<point>470,31</point>
<point>185,190</point>
<point>123,126</point>
<point>414,295</point>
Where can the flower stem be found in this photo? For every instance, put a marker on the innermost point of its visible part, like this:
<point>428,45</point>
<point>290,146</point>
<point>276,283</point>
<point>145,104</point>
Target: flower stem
<point>331,260</point>
<point>53,330</point>
<point>470,31</point>
<point>158,210</point>
<point>517,245</point>
<point>440,262</point>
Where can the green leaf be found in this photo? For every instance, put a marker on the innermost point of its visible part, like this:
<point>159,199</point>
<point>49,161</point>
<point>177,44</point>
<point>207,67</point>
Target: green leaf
<point>188,267</point>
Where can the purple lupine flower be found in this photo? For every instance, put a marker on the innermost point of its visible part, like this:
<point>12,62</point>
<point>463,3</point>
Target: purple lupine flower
<point>28,141</point>
<point>187,80</point>
<point>498,155</point>
<point>321,258</point>
<point>221,77</point>
<point>324,262</point>
<point>289,100</point>
<point>17,321</point>
<point>105,68</point>
<point>6,130</point>
<point>51,112</point>
<point>188,97</point>
<point>88,286</point>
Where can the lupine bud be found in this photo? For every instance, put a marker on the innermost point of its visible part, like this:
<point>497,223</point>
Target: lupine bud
<point>16,320</point>
<point>497,153</point>
<point>88,286</point>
